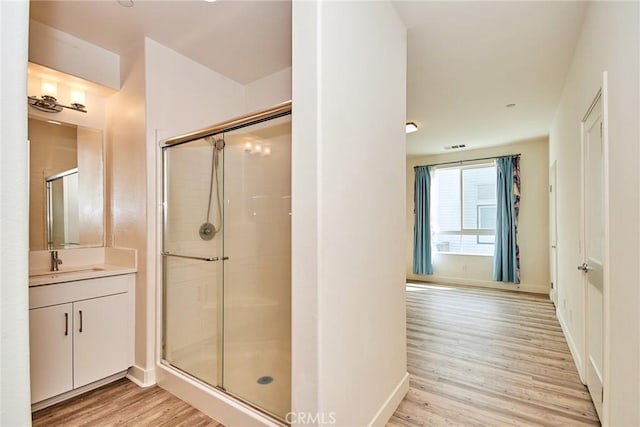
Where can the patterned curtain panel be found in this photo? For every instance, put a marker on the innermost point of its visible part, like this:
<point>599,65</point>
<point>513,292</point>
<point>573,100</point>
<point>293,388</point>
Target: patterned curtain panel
<point>506,259</point>
<point>422,223</point>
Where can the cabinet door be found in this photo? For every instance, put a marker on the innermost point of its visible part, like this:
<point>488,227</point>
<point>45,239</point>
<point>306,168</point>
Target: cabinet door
<point>50,340</point>
<point>101,338</point>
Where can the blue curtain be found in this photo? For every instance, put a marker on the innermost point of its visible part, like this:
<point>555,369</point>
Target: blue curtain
<point>422,224</point>
<point>506,259</point>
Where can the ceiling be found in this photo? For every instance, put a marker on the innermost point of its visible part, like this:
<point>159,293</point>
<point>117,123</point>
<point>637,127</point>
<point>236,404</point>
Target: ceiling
<point>243,40</point>
<point>466,60</point>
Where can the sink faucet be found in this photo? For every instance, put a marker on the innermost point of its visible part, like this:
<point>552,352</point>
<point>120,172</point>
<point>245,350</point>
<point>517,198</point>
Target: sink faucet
<point>55,261</point>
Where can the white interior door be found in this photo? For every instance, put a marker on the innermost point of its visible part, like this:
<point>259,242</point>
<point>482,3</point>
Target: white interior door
<point>553,233</point>
<point>593,265</point>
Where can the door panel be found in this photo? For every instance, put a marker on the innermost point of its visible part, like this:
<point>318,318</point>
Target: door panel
<point>553,232</point>
<point>101,343</point>
<point>51,345</point>
<point>257,274</point>
<point>192,305</point>
<point>594,251</point>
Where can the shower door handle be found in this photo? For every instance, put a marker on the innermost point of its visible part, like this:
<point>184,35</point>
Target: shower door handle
<point>198,258</point>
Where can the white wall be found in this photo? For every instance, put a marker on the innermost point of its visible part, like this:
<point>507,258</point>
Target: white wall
<point>15,398</point>
<point>63,52</point>
<point>349,96</point>
<point>183,95</point>
<point>268,91</point>
<point>533,223</point>
<point>125,175</point>
<point>608,42</point>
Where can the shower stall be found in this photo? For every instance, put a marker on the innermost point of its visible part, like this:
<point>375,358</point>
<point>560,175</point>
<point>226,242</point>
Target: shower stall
<point>227,258</point>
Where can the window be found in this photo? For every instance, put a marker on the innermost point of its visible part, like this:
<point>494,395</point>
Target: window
<point>463,209</point>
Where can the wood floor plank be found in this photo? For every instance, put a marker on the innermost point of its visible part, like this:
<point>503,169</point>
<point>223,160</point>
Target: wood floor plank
<point>123,403</point>
<point>482,357</point>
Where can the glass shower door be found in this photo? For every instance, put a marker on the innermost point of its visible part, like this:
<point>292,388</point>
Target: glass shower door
<point>257,273</point>
<point>192,259</point>
<point>227,262</point>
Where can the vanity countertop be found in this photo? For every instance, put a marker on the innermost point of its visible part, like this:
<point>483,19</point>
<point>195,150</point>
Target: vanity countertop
<point>43,277</point>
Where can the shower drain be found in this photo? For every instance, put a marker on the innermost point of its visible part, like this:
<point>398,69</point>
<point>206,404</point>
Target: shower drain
<point>265,380</point>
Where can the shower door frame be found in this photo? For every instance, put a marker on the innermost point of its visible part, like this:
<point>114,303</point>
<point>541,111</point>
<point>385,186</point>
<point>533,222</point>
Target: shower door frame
<point>277,111</point>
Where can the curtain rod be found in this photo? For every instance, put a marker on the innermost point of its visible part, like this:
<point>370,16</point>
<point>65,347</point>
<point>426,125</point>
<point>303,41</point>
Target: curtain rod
<point>470,160</point>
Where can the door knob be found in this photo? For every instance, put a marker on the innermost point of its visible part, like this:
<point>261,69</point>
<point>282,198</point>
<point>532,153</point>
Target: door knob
<point>584,267</point>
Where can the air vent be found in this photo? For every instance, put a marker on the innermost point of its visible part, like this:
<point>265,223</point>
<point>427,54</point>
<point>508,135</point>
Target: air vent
<point>455,147</point>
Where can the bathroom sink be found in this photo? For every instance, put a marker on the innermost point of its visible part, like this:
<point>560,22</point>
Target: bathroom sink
<point>70,270</point>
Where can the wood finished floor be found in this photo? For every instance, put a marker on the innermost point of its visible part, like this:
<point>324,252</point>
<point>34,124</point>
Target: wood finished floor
<point>488,358</point>
<point>476,358</point>
<point>122,403</point>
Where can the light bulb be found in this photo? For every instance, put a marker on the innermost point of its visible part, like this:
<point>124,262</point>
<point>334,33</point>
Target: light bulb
<point>266,151</point>
<point>77,97</point>
<point>247,147</point>
<point>49,88</point>
<point>257,149</point>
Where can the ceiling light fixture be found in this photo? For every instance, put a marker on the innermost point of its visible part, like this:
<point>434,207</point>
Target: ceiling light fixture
<point>411,127</point>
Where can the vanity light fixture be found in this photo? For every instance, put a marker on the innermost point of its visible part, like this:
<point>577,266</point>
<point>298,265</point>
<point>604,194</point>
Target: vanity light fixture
<point>49,103</point>
<point>411,127</point>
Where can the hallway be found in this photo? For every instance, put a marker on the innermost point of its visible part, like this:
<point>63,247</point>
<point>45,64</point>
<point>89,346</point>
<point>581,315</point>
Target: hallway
<point>488,357</point>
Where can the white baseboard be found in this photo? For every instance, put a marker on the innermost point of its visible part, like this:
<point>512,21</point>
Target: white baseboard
<point>521,287</point>
<point>142,377</point>
<point>577,359</point>
<point>392,402</point>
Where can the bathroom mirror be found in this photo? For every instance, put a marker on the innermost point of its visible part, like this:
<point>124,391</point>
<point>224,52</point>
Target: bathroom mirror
<point>62,209</point>
<point>66,193</point>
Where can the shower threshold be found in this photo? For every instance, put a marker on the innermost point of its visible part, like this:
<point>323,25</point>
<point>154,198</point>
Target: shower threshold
<point>215,391</point>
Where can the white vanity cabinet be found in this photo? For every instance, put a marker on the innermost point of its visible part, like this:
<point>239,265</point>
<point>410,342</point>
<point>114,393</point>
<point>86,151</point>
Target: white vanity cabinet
<point>81,332</point>
<point>51,342</point>
<point>100,338</point>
